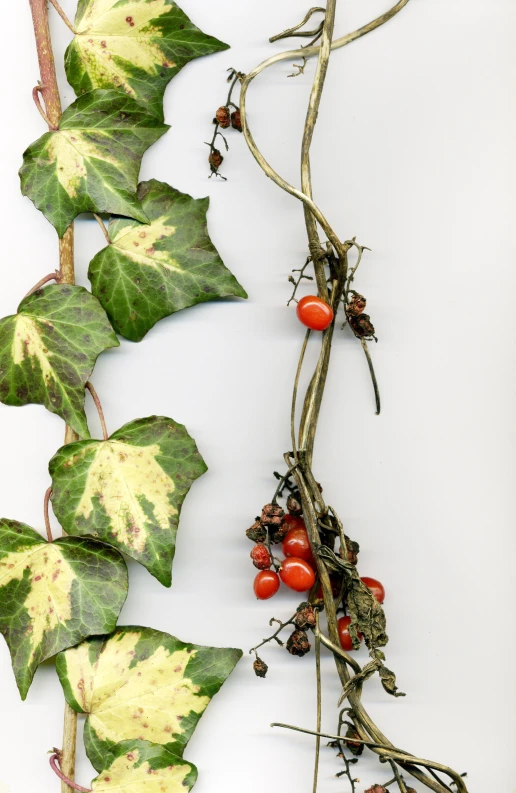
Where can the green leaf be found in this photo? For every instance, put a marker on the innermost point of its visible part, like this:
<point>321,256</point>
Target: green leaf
<point>129,490</point>
<point>150,272</point>
<point>137,46</point>
<point>144,767</point>
<point>53,595</point>
<point>141,684</point>
<point>91,163</point>
<point>49,348</point>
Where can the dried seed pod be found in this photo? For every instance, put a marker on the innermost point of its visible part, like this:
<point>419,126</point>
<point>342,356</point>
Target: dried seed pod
<point>278,534</point>
<point>260,667</point>
<point>293,506</point>
<point>362,326</point>
<point>353,550</point>
<point>256,532</point>
<point>377,789</point>
<point>222,117</point>
<point>215,159</point>
<point>272,515</point>
<point>305,616</point>
<point>298,644</point>
<point>261,557</point>
<point>236,121</point>
<point>357,305</point>
<point>354,748</point>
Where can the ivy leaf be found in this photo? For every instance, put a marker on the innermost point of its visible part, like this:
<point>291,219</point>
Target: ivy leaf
<point>53,595</point>
<point>129,490</point>
<point>49,348</point>
<point>91,163</point>
<point>150,272</point>
<point>144,767</point>
<point>141,684</point>
<point>137,46</point>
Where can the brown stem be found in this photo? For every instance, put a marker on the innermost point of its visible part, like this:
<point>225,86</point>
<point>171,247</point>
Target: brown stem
<point>54,765</point>
<point>63,15</point>
<point>98,405</point>
<point>56,276</point>
<point>53,110</point>
<point>103,227</point>
<point>45,512</point>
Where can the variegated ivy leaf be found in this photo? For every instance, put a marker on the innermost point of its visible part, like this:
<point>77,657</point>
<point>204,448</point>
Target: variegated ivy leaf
<point>141,684</point>
<point>129,490</point>
<point>53,595</point>
<point>144,767</point>
<point>49,348</point>
<point>149,272</point>
<point>137,46</point>
<point>91,163</point>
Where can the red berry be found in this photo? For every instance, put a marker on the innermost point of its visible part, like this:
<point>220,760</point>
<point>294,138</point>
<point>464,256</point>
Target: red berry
<point>344,635</point>
<point>266,584</point>
<point>294,521</point>
<point>261,557</point>
<point>297,574</point>
<point>335,587</point>
<point>376,588</point>
<point>296,543</point>
<point>314,312</point>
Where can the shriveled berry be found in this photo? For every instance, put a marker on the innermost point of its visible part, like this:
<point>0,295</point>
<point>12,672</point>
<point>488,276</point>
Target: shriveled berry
<point>354,747</point>
<point>298,644</point>
<point>278,534</point>
<point>256,532</point>
<point>357,305</point>
<point>305,616</point>
<point>377,789</point>
<point>266,584</point>
<point>260,668</point>
<point>261,557</point>
<point>362,326</point>
<point>215,159</point>
<point>353,550</point>
<point>272,515</point>
<point>236,120</point>
<point>294,506</point>
<point>222,117</point>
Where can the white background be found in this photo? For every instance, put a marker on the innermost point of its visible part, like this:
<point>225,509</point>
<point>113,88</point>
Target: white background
<point>414,153</point>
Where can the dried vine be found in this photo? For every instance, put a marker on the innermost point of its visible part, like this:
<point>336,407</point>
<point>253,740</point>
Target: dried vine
<point>334,276</point>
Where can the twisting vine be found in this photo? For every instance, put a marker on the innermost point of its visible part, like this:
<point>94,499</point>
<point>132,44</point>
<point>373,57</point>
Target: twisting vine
<point>337,584</point>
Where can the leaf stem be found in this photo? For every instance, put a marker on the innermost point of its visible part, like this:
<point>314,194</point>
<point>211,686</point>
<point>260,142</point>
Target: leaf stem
<point>46,501</point>
<point>319,698</point>
<point>54,760</point>
<point>55,276</point>
<point>36,91</point>
<point>100,411</point>
<point>63,16</point>
<point>376,387</point>
<point>103,227</point>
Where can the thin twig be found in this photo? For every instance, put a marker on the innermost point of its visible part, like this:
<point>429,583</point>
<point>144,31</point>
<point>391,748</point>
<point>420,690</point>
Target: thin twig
<point>63,16</point>
<point>294,31</point>
<point>46,501</point>
<point>54,760</point>
<point>36,91</point>
<point>319,698</point>
<point>98,405</point>
<point>294,396</point>
<point>55,276</point>
<point>103,227</point>
<point>376,387</point>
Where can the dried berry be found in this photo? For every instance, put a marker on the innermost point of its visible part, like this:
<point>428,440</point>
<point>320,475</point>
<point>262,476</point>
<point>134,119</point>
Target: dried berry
<point>257,533</point>
<point>222,117</point>
<point>236,121</point>
<point>272,515</point>
<point>293,506</point>
<point>377,789</point>
<point>261,557</point>
<point>305,616</point>
<point>357,305</point>
<point>215,159</point>
<point>362,326</point>
<point>353,550</point>
<point>260,667</point>
<point>279,534</point>
<point>298,643</point>
<point>354,748</point>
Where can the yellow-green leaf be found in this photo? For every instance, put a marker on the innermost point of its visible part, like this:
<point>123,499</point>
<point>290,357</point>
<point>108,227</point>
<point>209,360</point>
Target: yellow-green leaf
<point>141,684</point>
<point>129,490</point>
<point>144,767</point>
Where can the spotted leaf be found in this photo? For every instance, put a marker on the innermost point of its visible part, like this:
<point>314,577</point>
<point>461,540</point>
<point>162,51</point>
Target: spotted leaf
<point>149,272</point>
<point>53,595</point>
<point>141,684</point>
<point>91,163</point>
<point>136,46</point>
<point>49,348</point>
<point>129,490</point>
<point>144,767</point>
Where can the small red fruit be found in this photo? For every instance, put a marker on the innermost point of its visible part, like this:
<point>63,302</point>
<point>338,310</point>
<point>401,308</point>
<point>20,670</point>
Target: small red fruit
<point>261,557</point>
<point>314,312</point>
<point>344,635</point>
<point>266,584</point>
<point>296,543</point>
<point>376,588</point>
<point>297,574</point>
<point>294,521</point>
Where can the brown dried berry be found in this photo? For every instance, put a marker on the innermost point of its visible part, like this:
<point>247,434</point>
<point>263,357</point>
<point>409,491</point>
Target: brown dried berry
<point>222,117</point>
<point>377,789</point>
<point>261,557</point>
<point>260,668</point>
<point>305,616</point>
<point>278,534</point>
<point>236,121</point>
<point>357,305</point>
<point>293,506</point>
<point>354,748</point>
<point>362,326</point>
<point>298,644</point>
<point>215,159</point>
<point>257,533</point>
<point>272,515</point>
<point>353,550</point>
